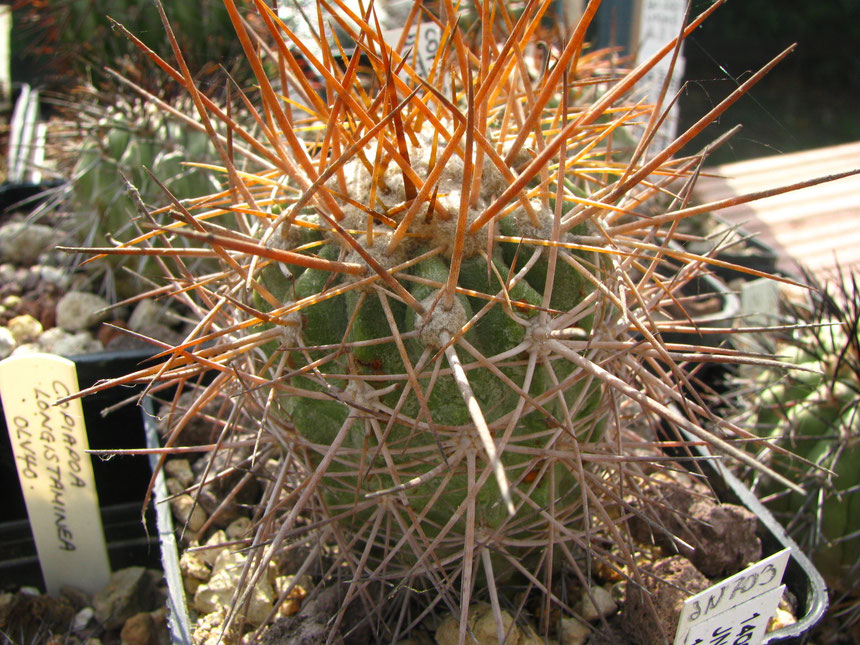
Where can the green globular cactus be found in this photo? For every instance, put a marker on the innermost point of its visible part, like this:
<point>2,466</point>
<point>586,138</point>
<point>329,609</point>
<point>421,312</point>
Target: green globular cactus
<point>129,141</point>
<point>814,412</point>
<point>443,301</point>
<point>385,396</point>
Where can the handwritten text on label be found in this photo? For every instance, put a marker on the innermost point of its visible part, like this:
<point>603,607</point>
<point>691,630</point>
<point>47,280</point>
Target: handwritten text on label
<point>753,581</point>
<point>744,624</point>
<point>49,442</point>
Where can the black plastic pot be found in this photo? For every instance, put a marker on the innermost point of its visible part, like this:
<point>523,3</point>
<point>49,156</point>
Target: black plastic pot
<point>704,288</point>
<point>128,543</point>
<point>722,308</point>
<point>121,481</point>
<point>758,256</point>
<point>748,252</point>
<point>23,196</point>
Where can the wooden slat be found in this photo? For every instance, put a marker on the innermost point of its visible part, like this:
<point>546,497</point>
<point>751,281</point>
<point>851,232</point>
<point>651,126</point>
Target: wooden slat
<point>817,227</point>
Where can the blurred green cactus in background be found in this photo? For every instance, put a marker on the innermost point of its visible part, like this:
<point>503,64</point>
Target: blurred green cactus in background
<point>120,145</point>
<point>814,412</point>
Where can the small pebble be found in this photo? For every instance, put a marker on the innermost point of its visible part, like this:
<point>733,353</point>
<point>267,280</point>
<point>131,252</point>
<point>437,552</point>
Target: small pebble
<point>218,592</point>
<point>482,626</point>
<point>79,310</point>
<point>293,601</point>
<point>25,329</point>
<point>210,555</point>
<point>782,618</point>
<point>190,585</point>
<point>187,513</point>
<point>30,278</point>
<point>7,342</point>
<point>174,486</point>
<point>11,301</point>
<point>162,627</point>
<point>597,604</point>
<point>238,528</point>
<point>63,343</point>
<point>193,566</point>
<point>78,597</point>
<point>208,630</point>
<point>23,242</point>
<point>27,348</point>
<point>7,272</point>
<point>139,630</point>
<point>54,275</point>
<point>572,632</point>
<point>129,592</point>
<point>147,313</point>
<point>180,469</point>
<point>83,618</point>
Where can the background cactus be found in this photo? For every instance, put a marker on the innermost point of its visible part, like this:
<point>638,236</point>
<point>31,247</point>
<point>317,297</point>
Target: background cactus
<point>115,142</point>
<point>816,415</point>
<point>441,307</point>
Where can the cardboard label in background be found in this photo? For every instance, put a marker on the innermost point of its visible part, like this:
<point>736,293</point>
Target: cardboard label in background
<point>49,443</point>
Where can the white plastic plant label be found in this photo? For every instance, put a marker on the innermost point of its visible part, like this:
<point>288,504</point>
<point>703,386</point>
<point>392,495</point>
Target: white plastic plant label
<point>49,443</point>
<point>744,591</point>
<point>744,624</point>
<point>420,53</point>
<point>659,22</point>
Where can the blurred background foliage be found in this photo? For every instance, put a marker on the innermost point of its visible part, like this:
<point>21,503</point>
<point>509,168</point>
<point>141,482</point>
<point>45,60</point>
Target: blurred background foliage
<point>58,42</point>
<point>810,100</point>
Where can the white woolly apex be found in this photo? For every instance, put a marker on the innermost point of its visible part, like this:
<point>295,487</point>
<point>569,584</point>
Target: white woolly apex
<point>377,249</point>
<point>448,191</point>
<point>443,232</point>
<point>389,192</point>
<point>442,324</point>
<point>526,227</point>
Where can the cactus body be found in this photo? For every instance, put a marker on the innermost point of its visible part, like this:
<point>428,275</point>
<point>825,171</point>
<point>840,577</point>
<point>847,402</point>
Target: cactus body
<point>397,421</point>
<point>129,139</point>
<point>816,415</point>
<point>441,304</point>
